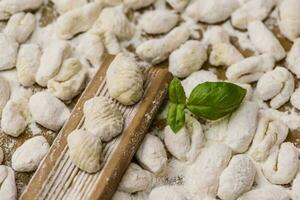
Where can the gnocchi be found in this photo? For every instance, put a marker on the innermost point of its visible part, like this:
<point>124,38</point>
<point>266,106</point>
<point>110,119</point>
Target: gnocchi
<point>158,21</point>
<point>121,196</point>
<point>178,5</point>
<point>64,6</point>
<point>44,106</point>
<point>152,155</point>
<point>268,192</point>
<point>20,26</point>
<point>69,81</point>
<point>85,150</point>
<point>8,189</point>
<point>8,52</point>
<point>4,92</point>
<point>296,187</point>
<point>137,4</point>
<point>28,61</point>
<point>277,85</point>
<point>77,20</point>
<point>187,59</point>
<point>102,118</point>
<point>264,40</point>
<point>128,90</point>
<point>29,155</point>
<point>293,60</point>
<point>51,60</point>
<point>250,69</point>
<point>295,99</point>
<point>166,192</point>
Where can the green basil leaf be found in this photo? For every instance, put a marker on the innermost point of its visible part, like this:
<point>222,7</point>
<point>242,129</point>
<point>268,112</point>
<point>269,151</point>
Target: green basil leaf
<point>176,116</point>
<point>176,92</point>
<point>214,100</point>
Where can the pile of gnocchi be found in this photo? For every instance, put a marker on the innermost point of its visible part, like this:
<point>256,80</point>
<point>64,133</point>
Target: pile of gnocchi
<point>50,49</point>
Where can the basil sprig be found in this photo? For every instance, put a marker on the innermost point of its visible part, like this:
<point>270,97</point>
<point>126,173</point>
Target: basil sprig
<point>209,100</point>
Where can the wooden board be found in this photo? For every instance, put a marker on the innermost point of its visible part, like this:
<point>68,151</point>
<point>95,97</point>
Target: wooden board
<point>57,178</point>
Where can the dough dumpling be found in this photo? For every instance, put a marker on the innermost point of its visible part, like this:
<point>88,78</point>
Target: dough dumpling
<point>4,92</point>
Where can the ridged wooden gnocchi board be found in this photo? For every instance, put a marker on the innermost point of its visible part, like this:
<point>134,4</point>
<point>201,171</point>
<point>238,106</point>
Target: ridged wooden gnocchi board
<point>57,178</point>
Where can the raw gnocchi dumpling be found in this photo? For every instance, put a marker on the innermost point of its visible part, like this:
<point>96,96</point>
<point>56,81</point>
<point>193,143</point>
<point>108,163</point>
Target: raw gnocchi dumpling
<point>158,21</point>
<point>91,48</point>
<point>4,92</point>
<point>282,164</point>
<point>295,99</point>
<point>20,26</point>
<point>51,60</point>
<point>15,115</point>
<point>10,7</point>
<point>167,192</point>
<point>135,179</point>
<point>125,80</point>
<point>296,187</point>
<point>69,80</point>
<point>29,155</point>
<point>203,175</point>
<point>250,11</point>
<point>266,193</point>
<point>270,132</point>
<point>264,40</point>
<point>28,62</point>
<point>137,4</point>
<point>8,52</point>
<point>277,85</point>
<point>1,155</point>
<point>66,5</point>
<point>293,58</point>
<point>102,118</point>
<point>250,69</point>
<point>237,178</point>
<point>157,50</point>
<point>211,11</point>
<point>48,111</point>
<point>119,195</point>
<point>216,35</point>
<point>85,150</point>
<point>77,20</point>
<point>188,142</point>
<point>8,189</point>
<point>178,5</point>
<point>152,155</point>
<point>289,24</point>
<point>187,59</point>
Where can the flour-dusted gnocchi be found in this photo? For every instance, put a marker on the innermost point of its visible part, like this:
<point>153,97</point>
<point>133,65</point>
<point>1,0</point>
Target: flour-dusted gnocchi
<point>48,111</point>
<point>77,20</point>
<point>216,35</point>
<point>158,21</point>
<point>277,85</point>
<point>187,59</point>
<point>8,189</point>
<point>85,150</point>
<point>69,81</point>
<point>15,115</point>
<point>157,50</point>
<point>119,195</point>
<point>152,155</point>
<point>102,118</point>
<point>137,4</point>
<point>29,155</point>
<point>289,24</point>
<point>135,179</point>
<point>237,178</point>
<point>8,52</point>
<point>211,11</point>
<point>196,78</point>
<point>10,7</point>
<point>266,193</point>
<point>178,5</point>
<point>187,143</point>
<point>167,192</point>
<point>28,62</point>
<point>1,155</point>
<point>251,11</point>
<point>264,40</point>
<point>51,60</point>
<point>4,92</point>
<point>296,187</point>
<point>295,99</point>
<point>125,80</point>
<point>270,133</point>
<point>63,6</point>
<point>282,164</point>
<point>91,48</point>
<point>202,177</point>
<point>250,69</point>
<point>20,26</point>
<point>224,54</point>
<point>293,58</point>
